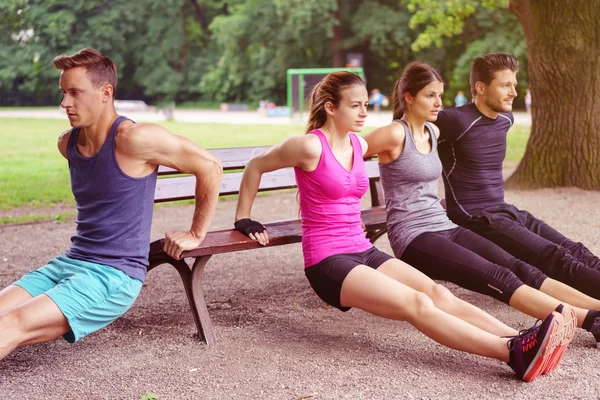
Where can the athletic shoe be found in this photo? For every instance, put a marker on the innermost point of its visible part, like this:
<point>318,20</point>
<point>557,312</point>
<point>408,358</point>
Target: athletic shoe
<point>564,337</point>
<point>595,330</point>
<point>530,349</point>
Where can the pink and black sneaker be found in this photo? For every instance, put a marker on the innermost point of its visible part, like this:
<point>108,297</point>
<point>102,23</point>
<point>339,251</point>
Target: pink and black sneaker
<point>564,337</point>
<point>531,348</point>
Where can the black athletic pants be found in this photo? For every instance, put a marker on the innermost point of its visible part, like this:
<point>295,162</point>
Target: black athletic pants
<point>535,242</point>
<point>468,260</point>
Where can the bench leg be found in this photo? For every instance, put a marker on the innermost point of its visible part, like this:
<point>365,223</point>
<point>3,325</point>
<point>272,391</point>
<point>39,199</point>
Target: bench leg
<point>198,304</point>
<point>373,236</point>
<point>192,283</point>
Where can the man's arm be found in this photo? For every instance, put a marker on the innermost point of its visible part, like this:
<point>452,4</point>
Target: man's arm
<point>157,146</point>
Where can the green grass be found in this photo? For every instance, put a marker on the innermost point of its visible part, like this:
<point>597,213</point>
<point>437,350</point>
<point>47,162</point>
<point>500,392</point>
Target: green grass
<point>34,173</point>
<point>516,142</point>
<point>61,217</point>
<point>150,396</point>
<point>21,108</point>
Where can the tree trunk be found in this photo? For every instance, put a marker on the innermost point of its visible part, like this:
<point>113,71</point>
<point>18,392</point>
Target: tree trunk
<point>563,42</point>
<point>336,41</point>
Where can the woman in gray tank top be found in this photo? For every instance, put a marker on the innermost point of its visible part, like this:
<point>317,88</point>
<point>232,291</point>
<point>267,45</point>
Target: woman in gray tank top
<point>418,228</point>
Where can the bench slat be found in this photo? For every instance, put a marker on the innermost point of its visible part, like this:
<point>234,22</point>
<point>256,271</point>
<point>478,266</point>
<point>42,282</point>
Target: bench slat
<point>183,188</point>
<point>234,158</point>
<point>282,232</point>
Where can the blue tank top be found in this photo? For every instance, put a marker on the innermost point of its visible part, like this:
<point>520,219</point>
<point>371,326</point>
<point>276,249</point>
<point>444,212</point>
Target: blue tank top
<point>114,210</point>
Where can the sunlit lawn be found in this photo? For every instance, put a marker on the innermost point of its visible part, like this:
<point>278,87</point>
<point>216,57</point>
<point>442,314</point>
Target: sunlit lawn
<point>33,173</point>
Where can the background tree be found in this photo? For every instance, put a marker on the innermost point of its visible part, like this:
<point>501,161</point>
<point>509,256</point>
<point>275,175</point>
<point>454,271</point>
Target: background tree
<point>157,45</point>
<point>231,50</point>
<point>562,41</point>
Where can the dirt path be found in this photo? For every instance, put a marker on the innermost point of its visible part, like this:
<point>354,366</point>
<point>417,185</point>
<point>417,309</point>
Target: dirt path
<point>276,339</point>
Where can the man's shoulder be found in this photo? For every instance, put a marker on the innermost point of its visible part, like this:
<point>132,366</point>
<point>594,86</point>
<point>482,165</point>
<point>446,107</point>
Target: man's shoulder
<point>465,111</point>
<point>129,130</point>
<point>65,135</point>
<point>136,138</point>
<point>458,117</point>
<point>507,117</point>
<point>63,140</point>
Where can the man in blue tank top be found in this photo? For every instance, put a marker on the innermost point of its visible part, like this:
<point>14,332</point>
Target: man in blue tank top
<point>472,148</point>
<point>113,164</point>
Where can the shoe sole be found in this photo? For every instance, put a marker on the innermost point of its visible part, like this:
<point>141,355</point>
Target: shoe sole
<point>566,336</point>
<point>547,347</point>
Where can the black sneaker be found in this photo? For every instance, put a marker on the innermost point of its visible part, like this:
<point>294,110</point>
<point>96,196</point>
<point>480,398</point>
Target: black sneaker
<point>595,330</point>
<point>531,348</point>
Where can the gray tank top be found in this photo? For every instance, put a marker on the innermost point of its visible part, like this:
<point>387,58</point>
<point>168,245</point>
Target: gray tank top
<point>410,185</point>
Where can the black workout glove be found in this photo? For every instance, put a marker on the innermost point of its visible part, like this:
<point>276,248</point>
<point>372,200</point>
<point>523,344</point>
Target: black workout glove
<point>248,226</point>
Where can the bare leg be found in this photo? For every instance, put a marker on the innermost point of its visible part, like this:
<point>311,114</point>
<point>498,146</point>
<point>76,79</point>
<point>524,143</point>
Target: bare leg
<point>538,304</point>
<point>378,294</point>
<point>443,298</point>
<point>35,321</point>
<point>569,295</point>
<point>12,296</point>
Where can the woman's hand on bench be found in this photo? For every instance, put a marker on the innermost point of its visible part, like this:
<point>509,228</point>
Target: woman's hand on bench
<point>176,242</point>
<point>253,229</point>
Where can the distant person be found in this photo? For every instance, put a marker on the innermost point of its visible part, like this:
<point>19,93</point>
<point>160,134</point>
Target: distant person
<point>113,163</point>
<point>345,269</point>
<point>460,99</point>
<point>376,99</point>
<point>528,100</point>
<point>472,148</point>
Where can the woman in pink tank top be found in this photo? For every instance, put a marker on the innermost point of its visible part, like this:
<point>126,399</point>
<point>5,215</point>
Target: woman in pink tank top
<point>342,266</point>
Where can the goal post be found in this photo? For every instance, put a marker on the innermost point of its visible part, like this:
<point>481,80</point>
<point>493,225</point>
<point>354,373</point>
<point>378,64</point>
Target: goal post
<point>300,81</point>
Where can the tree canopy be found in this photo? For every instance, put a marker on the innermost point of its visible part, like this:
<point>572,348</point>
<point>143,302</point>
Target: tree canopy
<point>239,50</point>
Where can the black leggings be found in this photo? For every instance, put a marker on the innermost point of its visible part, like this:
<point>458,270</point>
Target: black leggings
<point>535,242</point>
<point>468,260</point>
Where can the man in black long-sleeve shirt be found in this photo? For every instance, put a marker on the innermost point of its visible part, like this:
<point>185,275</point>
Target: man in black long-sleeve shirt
<point>472,147</point>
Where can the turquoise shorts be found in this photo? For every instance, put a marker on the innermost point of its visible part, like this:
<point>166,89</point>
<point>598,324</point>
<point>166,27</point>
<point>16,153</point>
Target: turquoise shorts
<point>90,295</point>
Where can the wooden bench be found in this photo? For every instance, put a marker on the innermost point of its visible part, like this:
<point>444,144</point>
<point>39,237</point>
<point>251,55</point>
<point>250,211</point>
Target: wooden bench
<point>174,186</point>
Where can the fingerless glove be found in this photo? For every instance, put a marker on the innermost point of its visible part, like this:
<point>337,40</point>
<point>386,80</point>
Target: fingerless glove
<point>248,226</point>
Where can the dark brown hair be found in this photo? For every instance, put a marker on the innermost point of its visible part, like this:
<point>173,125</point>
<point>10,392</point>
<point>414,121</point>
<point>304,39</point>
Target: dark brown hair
<point>100,69</point>
<point>329,90</point>
<point>484,68</point>
<point>414,78</point>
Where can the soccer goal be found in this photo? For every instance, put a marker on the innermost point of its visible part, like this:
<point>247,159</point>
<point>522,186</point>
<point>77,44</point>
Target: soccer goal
<point>300,82</point>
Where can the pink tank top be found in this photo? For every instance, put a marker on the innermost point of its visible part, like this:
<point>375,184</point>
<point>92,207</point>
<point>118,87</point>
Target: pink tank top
<point>330,204</point>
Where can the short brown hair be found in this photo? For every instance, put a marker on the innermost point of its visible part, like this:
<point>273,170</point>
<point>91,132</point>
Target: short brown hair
<point>100,69</point>
<point>484,68</point>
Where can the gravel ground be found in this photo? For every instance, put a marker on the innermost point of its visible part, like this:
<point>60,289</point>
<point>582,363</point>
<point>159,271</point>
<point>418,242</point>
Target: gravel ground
<point>276,339</point>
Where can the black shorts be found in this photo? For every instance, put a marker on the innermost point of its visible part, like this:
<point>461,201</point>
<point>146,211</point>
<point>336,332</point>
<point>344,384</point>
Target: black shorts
<point>326,276</point>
